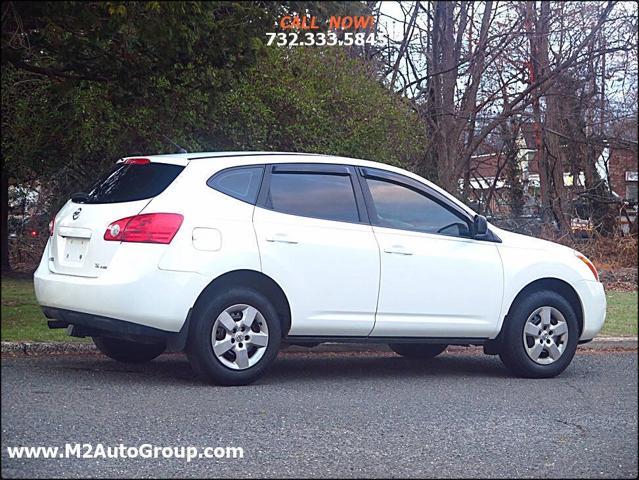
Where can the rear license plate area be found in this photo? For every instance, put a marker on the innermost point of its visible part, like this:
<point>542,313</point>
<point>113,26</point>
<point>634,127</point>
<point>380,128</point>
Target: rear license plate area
<point>75,250</point>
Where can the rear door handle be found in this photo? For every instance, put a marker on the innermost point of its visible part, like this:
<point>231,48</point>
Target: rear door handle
<point>397,250</point>
<point>281,238</point>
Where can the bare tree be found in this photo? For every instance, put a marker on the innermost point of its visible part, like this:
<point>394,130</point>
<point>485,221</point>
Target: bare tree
<point>475,70</point>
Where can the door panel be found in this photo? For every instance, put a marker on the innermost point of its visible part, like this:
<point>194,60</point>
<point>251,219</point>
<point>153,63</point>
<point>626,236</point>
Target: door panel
<point>437,286</point>
<point>436,281</point>
<point>329,271</point>
<point>315,241</point>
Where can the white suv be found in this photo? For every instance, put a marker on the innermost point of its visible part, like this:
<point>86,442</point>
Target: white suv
<point>226,255</point>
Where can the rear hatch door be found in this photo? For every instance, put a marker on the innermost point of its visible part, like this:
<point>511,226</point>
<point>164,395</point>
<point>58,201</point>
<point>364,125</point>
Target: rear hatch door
<point>77,244</point>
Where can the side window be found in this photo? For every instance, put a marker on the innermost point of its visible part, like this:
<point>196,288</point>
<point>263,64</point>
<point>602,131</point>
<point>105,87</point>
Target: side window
<point>317,195</point>
<point>401,207</point>
<point>242,183</point>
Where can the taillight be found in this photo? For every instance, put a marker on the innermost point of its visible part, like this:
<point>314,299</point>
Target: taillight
<point>137,161</point>
<point>51,226</point>
<point>590,265</point>
<point>145,228</point>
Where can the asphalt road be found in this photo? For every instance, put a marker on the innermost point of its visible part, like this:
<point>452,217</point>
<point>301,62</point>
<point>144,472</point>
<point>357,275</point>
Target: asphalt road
<point>337,415</point>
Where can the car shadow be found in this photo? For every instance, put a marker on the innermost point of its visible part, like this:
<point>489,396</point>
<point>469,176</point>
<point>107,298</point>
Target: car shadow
<point>307,366</point>
<point>291,368</point>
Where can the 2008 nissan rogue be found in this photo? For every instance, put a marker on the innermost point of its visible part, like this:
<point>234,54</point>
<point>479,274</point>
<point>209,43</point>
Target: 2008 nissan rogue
<point>225,255</point>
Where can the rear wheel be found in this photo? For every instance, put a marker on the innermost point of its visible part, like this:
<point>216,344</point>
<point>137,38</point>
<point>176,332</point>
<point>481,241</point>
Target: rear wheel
<point>540,337</point>
<point>417,350</point>
<point>128,352</point>
<point>234,337</point>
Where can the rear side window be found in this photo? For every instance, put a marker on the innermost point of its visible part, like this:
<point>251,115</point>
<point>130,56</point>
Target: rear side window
<point>242,183</point>
<point>131,182</point>
<point>326,196</point>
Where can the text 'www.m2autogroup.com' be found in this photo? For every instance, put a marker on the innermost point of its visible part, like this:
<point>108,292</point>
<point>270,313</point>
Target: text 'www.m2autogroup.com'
<point>146,450</point>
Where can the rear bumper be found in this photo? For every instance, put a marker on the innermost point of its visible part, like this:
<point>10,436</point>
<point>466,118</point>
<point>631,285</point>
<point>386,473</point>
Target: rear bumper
<point>132,290</point>
<point>593,299</point>
<point>86,324</point>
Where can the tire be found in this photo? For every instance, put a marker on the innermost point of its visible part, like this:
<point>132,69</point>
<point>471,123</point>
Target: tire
<point>418,350</point>
<point>241,356</point>
<point>126,351</point>
<point>519,347</point>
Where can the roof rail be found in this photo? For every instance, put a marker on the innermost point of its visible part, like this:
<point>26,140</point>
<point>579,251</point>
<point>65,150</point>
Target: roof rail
<point>257,154</point>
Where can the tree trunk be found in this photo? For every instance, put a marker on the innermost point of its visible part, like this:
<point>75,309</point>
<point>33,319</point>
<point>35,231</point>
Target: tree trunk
<point>5,265</point>
<point>513,170</point>
<point>553,159</point>
<point>443,83</point>
<point>535,71</point>
<point>468,109</point>
<point>549,154</point>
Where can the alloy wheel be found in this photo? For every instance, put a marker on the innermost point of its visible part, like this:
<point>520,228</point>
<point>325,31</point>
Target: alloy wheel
<point>239,337</point>
<point>545,335</point>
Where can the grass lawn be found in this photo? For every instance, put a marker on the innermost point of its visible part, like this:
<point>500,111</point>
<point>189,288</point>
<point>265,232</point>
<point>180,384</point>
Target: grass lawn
<point>621,318</point>
<point>22,318</point>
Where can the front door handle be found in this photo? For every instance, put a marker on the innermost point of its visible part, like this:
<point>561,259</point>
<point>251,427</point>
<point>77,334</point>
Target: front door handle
<point>281,238</point>
<point>397,250</point>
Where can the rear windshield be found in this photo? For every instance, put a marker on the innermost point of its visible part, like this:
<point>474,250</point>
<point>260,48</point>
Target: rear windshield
<point>131,182</point>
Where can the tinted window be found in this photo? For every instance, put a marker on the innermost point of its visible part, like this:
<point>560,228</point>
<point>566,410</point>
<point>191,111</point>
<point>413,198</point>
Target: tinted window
<point>404,208</point>
<point>242,183</point>
<point>131,182</point>
<point>330,197</point>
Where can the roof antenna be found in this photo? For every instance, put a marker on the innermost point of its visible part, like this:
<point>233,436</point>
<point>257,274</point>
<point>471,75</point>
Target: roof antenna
<point>180,149</point>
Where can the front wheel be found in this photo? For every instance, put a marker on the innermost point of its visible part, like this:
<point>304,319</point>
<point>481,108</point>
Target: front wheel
<point>128,352</point>
<point>418,350</point>
<point>235,337</point>
<point>540,337</point>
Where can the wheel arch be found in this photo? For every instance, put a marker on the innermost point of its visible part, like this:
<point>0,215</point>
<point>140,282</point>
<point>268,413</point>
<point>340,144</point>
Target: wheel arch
<point>555,285</point>
<point>257,281</point>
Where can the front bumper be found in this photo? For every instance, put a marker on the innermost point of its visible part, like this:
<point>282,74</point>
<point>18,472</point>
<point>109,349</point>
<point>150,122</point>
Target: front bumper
<point>593,299</point>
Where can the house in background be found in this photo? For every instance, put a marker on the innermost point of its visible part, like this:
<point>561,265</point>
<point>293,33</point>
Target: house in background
<point>622,172</point>
<point>622,178</point>
<point>489,185</point>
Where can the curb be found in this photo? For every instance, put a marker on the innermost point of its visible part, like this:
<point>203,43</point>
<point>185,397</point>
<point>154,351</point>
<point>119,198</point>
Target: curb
<point>68,348</point>
<point>50,348</point>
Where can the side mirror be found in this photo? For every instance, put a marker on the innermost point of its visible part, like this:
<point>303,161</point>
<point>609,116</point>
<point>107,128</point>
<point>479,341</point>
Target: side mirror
<point>480,226</point>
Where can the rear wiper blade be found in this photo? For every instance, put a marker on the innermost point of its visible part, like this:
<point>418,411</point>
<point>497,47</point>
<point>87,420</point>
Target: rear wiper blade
<point>80,197</point>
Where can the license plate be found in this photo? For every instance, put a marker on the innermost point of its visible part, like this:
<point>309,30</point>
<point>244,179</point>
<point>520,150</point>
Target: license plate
<point>75,250</point>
